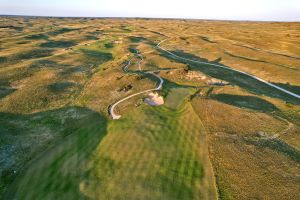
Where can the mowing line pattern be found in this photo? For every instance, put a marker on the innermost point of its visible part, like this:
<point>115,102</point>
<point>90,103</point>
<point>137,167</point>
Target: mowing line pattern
<point>153,153</point>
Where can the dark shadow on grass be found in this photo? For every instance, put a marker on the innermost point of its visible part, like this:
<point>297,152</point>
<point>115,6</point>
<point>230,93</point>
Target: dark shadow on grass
<point>91,37</point>
<point>36,37</point>
<point>17,28</point>
<point>58,44</point>
<point>5,91</point>
<point>136,39</point>
<point>61,87</point>
<point>250,102</point>
<point>53,166</point>
<point>26,55</point>
<point>3,59</point>
<point>255,49</point>
<point>250,84</point>
<point>158,33</point>
<point>277,145</point>
<point>206,39</point>
<point>256,60</point>
<point>132,49</point>
<point>96,57</point>
<point>23,42</point>
<point>35,53</point>
<point>61,31</point>
<point>47,64</point>
<point>293,88</point>
<point>109,45</point>
<point>168,85</point>
<point>125,28</point>
<point>77,69</point>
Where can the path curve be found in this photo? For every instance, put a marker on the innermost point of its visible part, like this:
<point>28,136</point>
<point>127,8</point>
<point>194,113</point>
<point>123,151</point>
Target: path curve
<point>112,107</point>
<point>221,66</point>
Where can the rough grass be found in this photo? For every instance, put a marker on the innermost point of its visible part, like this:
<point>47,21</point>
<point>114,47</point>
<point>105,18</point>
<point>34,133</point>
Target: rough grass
<point>37,37</point>
<point>3,59</point>
<point>95,56</point>
<point>268,174</point>
<point>250,102</point>
<point>176,96</point>
<point>62,86</point>
<point>151,153</point>
<point>58,44</point>
<point>61,31</point>
<point>232,77</point>
<point>241,158</point>
<point>4,91</point>
<point>35,53</point>
<point>26,136</point>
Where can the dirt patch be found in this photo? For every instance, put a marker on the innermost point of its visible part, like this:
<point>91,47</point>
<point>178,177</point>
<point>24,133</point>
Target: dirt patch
<point>194,75</point>
<point>218,82</point>
<point>154,99</point>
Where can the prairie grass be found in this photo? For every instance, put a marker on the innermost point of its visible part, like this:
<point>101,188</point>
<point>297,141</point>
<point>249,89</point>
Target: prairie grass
<point>58,76</point>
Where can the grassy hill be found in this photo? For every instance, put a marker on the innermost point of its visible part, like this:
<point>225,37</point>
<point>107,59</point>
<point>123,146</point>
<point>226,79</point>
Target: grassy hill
<point>218,135</point>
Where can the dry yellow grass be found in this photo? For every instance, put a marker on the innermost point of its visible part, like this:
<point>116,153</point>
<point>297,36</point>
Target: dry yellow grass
<point>59,76</point>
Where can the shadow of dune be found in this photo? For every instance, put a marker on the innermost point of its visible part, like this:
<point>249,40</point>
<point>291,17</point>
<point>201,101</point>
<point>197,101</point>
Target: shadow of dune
<point>293,88</point>
<point>96,57</point>
<point>250,84</point>
<point>250,102</point>
<point>5,91</point>
<point>58,44</point>
<point>269,52</point>
<point>55,170</point>
<point>36,37</point>
<point>3,59</point>
<point>206,39</point>
<point>277,145</point>
<point>62,86</point>
<point>257,60</point>
<point>61,31</point>
<point>136,39</point>
<point>48,64</point>
<point>158,33</point>
<point>35,53</point>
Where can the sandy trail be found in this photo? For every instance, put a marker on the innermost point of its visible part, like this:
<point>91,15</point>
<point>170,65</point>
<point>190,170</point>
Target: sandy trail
<point>112,107</point>
<point>216,65</point>
<point>139,55</point>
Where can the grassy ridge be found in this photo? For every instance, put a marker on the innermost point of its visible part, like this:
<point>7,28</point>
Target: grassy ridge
<point>56,173</point>
<point>152,153</point>
<point>156,155</point>
<point>48,65</point>
<point>26,136</point>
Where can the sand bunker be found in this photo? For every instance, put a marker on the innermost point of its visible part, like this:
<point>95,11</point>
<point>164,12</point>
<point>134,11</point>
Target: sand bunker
<point>154,99</point>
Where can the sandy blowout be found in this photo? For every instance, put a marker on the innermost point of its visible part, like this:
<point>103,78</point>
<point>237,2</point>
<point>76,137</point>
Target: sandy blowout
<point>154,99</point>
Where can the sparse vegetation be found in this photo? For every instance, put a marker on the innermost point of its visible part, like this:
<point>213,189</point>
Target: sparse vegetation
<point>235,139</point>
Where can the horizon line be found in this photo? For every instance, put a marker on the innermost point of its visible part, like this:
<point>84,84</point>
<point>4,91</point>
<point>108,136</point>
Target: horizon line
<point>155,18</point>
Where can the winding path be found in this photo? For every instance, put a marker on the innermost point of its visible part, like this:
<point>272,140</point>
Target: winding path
<point>221,66</point>
<point>112,107</point>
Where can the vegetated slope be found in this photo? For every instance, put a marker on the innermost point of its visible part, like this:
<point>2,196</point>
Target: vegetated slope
<point>37,91</point>
<point>61,163</point>
<point>59,76</point>
<point>152,153</point>
<point>248,163</point>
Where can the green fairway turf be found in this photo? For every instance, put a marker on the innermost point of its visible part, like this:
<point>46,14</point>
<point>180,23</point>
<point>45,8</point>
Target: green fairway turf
<point>152,153</point>
<point>218,133</point>
<point>176,96</point>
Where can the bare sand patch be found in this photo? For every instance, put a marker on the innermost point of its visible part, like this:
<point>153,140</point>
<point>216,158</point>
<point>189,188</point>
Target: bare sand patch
<point>154,99</point>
